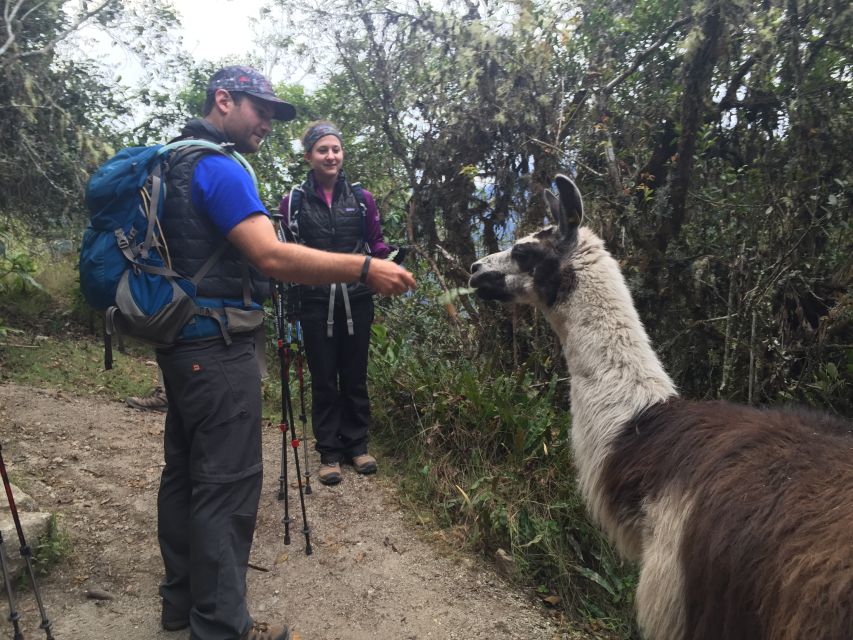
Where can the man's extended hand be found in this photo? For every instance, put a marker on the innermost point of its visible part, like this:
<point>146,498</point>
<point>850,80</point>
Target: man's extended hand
<point>388,278</point>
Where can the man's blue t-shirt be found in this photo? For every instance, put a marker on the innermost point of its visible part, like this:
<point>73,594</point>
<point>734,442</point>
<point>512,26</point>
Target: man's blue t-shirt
<point>224,190</point>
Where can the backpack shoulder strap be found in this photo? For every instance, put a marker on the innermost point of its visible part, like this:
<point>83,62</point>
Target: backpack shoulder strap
<point>358,192</point>
<point>225,149</point>
<point>294,207</point>
<point>294,203</point>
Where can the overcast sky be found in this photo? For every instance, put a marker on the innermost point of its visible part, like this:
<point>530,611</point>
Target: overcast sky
<point>210,30</point>
<point>213,29</point>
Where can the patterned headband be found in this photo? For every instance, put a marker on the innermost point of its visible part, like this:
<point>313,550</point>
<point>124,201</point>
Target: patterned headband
<point>318,131</point>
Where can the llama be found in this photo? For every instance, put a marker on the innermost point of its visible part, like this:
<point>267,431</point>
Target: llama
<point>741,519</point>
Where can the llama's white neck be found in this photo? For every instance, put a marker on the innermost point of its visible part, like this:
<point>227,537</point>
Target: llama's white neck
<point>614,371</point>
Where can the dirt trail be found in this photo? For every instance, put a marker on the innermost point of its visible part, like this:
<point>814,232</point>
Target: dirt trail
<point>372,576</point>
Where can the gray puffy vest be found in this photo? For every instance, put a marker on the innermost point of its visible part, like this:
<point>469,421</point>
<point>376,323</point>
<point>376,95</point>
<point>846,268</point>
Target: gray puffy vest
<point>193,238</point>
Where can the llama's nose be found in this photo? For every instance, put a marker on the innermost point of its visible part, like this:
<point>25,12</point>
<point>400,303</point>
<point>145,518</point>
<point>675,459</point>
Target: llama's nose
<point>476,267</point>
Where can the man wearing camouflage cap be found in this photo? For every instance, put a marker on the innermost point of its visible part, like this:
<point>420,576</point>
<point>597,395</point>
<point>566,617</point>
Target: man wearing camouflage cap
<point>210,486</point>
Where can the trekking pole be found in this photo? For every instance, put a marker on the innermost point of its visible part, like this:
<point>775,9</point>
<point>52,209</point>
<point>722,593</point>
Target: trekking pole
<point>283,376</point>
<point>108,350</point>
<point>26,553</point>
<point>287,407</point>
<point>287,424</point>
<point>13,611</point>
<point>293,309</point>
<point>300,375</point>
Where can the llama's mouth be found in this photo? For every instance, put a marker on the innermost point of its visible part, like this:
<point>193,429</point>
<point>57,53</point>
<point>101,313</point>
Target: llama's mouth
<point>490,285</point>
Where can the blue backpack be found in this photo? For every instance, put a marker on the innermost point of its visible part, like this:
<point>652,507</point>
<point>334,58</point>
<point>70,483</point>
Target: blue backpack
<point>125,268</point>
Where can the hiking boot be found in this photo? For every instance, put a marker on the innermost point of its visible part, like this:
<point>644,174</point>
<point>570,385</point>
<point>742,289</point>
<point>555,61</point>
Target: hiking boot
<point>174,625</point>
<point>330,473</point>
<point>154,401</point>
<point>364,463</point>
<point>264,631</point>
<point>173,620</point>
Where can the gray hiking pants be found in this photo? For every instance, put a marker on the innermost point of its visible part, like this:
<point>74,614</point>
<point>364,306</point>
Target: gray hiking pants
<point>209,491</point>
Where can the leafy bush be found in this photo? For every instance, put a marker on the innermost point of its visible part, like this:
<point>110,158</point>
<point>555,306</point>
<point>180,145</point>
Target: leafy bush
<point>53,547</point>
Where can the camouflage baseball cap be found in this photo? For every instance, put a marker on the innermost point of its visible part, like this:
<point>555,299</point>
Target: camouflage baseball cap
<point>247,80</point>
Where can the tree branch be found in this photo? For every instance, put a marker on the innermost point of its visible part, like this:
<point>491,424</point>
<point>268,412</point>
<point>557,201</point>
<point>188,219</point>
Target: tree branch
<point>729,100</point>
<point>74,26</point>
<point>9,13</point>
<point>641,57</point>
<point>698,72</point>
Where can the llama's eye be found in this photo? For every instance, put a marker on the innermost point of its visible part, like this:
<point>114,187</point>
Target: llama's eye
<point>527,256</point>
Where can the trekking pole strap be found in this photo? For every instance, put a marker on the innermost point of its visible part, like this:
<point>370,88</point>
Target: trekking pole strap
<point>330,319</point>
<point>345,292</point>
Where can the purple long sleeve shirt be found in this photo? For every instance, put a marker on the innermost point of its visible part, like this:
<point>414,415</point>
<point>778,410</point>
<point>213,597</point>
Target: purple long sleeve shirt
<point>372,226</point>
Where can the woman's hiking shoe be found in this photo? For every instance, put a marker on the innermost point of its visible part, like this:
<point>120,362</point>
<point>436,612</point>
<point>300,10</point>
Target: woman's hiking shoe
<point>154,401</point>
<point>264,631</point>
<point>330,473</point>
<point>364,463</point>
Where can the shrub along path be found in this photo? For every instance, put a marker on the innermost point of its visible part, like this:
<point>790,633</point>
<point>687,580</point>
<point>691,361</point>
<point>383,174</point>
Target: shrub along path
<point>373,575</point>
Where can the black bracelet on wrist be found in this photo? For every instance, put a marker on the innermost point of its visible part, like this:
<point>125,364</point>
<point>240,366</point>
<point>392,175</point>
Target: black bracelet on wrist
<point>363,278</point>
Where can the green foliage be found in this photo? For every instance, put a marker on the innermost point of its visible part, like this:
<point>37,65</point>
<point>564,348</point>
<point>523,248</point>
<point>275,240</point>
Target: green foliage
<point>466,113</point>
<point>53,547</point>
<point>47,343</point>
<point>59,110</point>
<point>16,273</point>
<point>17,268</point>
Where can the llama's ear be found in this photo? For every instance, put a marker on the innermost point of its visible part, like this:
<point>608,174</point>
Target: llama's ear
<point>571,205</point>
<point>553,203</point>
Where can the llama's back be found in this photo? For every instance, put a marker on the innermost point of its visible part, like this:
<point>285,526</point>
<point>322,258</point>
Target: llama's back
<point>766,545</point>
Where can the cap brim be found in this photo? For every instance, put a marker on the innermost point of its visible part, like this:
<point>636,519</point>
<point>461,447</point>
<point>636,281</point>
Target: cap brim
<point>281,110</point>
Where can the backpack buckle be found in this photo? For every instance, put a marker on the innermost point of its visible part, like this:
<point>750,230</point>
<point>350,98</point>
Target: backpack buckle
<point>121,239</point>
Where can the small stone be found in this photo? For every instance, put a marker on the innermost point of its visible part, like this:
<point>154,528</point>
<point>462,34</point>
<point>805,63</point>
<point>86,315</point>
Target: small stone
<point>99,594</point>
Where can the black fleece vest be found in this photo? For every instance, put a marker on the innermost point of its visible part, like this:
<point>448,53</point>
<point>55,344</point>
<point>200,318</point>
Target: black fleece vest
<point>192,236</point>
<point>338,228</point>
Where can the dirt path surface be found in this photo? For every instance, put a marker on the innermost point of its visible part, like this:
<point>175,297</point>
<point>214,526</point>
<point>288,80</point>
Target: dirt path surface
<point>372,576</point>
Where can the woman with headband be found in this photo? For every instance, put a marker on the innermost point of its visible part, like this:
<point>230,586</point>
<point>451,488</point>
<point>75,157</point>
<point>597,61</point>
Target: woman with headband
<point>328,212</point>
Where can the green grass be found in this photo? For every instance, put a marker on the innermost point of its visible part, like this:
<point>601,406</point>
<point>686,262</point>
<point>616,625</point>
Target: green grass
<point>76,364</point>
<point>49,341</point>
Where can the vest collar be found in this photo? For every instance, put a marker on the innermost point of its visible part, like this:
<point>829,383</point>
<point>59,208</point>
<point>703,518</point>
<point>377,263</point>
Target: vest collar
<point>312,187</point>
<point>201,128</point>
